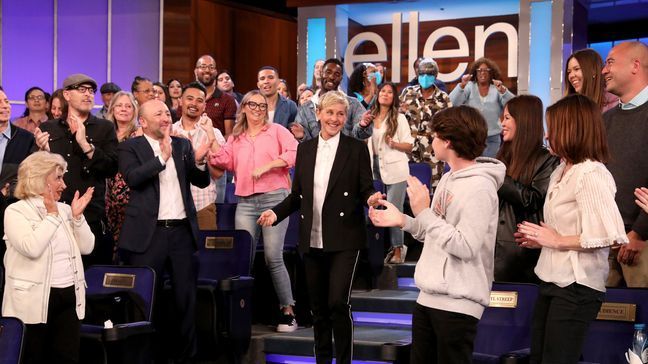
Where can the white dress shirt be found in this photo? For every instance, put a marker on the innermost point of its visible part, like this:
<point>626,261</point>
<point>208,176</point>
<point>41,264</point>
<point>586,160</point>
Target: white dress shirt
<point>171,204</point>
<point>326,150</point>
<point>581,202</point>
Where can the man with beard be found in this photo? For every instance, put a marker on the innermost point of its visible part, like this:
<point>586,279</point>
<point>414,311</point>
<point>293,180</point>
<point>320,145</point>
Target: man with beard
<point>306,125</point>
<point>89,146</point>
<point>220,107</point>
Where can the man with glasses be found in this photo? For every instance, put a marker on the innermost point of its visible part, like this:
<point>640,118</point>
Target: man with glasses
<point>306,125</point>
<point>419,103</point>
<point>280,110</point>
<point>220,107</point>
<point>89,146</point>
<point>142,89</point>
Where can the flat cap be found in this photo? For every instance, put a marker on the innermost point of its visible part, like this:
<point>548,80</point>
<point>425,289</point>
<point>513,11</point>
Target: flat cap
<point>77,79</point>
<point>109,87</point>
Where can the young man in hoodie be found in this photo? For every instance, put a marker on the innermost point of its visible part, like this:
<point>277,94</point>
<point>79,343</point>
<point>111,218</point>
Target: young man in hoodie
<point>455,270</point>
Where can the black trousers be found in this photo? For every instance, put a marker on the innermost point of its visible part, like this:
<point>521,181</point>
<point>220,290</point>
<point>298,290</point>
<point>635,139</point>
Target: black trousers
<point>329,276</point>
<point>440,336</point>
<point>58,340</point>
<point>560,321</point>
<point>172,250</point>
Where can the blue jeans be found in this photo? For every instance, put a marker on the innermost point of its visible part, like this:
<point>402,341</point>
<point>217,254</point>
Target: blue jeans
<point>395,195</point>
<point>248,211</point>
<point>492,146</point>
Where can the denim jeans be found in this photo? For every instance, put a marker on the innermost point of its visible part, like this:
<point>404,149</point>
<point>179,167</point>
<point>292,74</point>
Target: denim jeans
<point>493,143</point>
<point>248,211</point>
<point>396,195</point>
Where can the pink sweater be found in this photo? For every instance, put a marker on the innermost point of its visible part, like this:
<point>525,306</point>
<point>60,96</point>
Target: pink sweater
<point>243,154</point>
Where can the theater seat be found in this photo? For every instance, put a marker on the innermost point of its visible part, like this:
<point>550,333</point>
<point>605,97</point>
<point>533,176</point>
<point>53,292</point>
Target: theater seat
<point>224,314</point>
<point>505,325</point>
<point>127,342</point>
<point>12,332</point>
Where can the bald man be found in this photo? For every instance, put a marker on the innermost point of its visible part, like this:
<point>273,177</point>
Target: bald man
<point>220,107</point>
<point>626,76</point>
<point>161,229</point>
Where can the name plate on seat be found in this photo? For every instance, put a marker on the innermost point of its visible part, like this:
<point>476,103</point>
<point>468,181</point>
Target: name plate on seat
<point>119,280</point>
<point>612,311</point>
<point>503,299</point>
<point>219,242</point>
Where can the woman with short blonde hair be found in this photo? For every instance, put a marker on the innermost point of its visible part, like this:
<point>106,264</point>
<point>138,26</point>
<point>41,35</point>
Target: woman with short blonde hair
<point>45,285</point>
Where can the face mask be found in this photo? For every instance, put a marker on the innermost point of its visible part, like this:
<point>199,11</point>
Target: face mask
<point>359,96</point>
<point>426,81</point>
<point>378,77</point>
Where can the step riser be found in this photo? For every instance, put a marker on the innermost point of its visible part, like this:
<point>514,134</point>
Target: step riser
<point>293,359</point>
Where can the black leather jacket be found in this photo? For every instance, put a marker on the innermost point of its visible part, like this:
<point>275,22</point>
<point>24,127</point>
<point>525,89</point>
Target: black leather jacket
<point>519,202</point>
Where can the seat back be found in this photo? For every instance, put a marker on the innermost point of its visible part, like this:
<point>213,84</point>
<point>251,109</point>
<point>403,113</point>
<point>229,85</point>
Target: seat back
<point>422,171</point>
<point>12,331</point>
<point>504,328</point>
<point>291,241</point>
<point>610,335</point>
<point>107,279</point>
<point>224,253</point>
<point>230,197</point>
<point>226,215</point>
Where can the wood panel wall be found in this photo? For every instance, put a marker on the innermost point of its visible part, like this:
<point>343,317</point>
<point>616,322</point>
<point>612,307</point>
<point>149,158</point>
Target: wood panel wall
<point>241,39</point>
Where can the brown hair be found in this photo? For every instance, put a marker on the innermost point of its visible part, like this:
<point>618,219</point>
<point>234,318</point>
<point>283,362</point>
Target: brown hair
<point>575,130</point>
<point>495,73</point>
<point>464,127</point>
<point>519,154</point>
<point>591,64</point>
<point>392,115</point>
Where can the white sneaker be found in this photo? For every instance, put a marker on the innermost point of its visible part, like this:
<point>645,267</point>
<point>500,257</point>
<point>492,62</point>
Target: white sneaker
<point>287,323</point>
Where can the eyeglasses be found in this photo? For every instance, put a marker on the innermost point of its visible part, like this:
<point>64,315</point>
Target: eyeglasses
<point>254,106</point>
<point>83,89</point>
<point>205,67</point>
<point>147,91</point>
<point>483,70</point>
<point>36,98</point>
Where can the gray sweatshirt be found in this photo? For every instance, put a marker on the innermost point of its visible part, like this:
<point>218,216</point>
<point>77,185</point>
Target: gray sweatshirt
<point>455,270</point>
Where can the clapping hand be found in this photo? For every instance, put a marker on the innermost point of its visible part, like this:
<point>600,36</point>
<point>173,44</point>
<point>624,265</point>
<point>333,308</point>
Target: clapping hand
<point>298,130</point>
<point>42,139</point>
<point>79,204</point>
<point>388,217</point>
<point>419,195</point>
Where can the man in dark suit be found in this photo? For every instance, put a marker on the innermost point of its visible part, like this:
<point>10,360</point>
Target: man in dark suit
<point>332,181</point>
<point>160,229</point>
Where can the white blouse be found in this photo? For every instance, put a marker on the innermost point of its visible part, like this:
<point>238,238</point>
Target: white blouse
<point>393,163</point>
<point>581,203</point>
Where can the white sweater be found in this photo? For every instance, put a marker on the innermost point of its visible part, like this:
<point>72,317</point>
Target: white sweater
<point>28,260</point>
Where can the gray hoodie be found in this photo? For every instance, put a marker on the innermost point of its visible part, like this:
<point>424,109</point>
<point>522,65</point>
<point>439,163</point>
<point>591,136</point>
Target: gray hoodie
<point>455,270</point>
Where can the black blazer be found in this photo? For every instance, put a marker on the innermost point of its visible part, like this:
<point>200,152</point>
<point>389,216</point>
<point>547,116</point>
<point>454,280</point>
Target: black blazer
<point>350,185</point>
<point>140,169</point>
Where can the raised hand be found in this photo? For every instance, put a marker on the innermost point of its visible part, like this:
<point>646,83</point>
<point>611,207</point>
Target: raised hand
<point>42,139</point>
<point>499,85</point>
<point>165,144</point>
<point>465,79</point>
<point>267,218</point>
<point>49,200</point>
<point>79,204</point>
<point>298,130</point>
<point>388,217</point>
<point>367,119</point>
<point>419,195</point>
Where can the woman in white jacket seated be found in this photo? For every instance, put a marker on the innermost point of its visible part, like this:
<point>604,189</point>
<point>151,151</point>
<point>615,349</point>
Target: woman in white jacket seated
<point>45,285</point>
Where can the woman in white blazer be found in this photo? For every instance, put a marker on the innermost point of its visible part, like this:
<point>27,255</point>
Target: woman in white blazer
<point>45,284</point>
<point>388,147</point>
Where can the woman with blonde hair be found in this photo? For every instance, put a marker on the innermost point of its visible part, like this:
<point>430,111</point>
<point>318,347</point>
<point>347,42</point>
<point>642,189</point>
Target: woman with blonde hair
<point>45,285</point>
<point>260,154</point>
<point>122,112</point>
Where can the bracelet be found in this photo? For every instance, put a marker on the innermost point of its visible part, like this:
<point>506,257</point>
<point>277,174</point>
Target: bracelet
<point>92,149</point>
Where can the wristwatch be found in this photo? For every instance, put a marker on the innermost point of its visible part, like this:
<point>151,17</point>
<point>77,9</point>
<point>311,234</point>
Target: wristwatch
<point>92,149</point>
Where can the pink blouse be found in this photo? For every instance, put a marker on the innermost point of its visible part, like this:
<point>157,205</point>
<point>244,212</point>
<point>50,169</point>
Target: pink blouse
<point>243,154</point>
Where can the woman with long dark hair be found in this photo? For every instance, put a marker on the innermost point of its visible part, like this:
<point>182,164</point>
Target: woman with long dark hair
<point>521,197</point>
<point>583,76</point>
<point>581,223</point>
<point>390,142</point>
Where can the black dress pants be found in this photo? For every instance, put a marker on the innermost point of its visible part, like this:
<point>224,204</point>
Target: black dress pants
<point>329,276</point>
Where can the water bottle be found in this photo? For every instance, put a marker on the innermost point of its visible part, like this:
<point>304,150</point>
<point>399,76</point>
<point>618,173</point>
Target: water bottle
<point>640,342</point>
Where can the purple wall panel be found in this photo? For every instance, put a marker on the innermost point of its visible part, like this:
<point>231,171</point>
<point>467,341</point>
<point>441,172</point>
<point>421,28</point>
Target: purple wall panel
<point>83,40</point>
<point>27,52</point>
<point>135,40</point>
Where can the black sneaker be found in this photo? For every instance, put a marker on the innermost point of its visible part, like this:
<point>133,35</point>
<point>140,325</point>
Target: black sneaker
<point>287,323</point>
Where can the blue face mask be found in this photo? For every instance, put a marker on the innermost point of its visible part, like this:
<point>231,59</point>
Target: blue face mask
<point>378,77</point>
<point>426,81</point>
<point>359,96</point>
